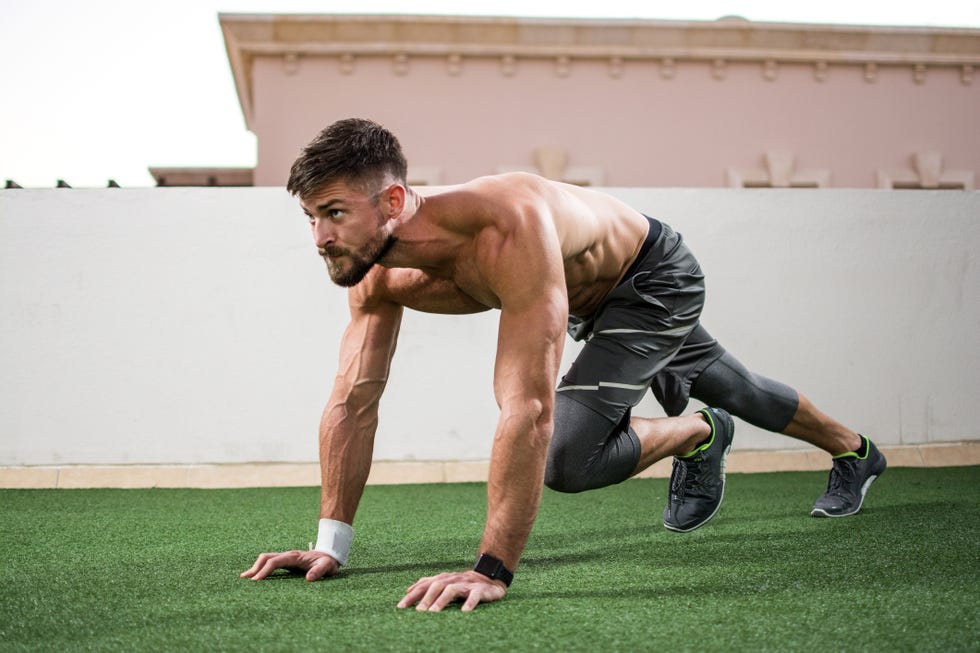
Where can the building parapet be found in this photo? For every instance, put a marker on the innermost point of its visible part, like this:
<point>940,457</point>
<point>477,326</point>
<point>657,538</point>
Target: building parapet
<point>728,40</point>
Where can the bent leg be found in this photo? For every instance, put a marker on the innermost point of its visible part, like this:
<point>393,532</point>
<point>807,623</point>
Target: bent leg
<point>638,330</point>
<point>661,437</point>
<point>589,451</point>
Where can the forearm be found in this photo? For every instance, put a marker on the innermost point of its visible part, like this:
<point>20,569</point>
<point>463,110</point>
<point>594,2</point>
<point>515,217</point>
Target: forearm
<point>346,446</point>
<point>346,442</point>
<point>514,484</point>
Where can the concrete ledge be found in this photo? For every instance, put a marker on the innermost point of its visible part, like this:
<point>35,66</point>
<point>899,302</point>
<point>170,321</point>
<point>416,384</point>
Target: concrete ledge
<point>952,454</point>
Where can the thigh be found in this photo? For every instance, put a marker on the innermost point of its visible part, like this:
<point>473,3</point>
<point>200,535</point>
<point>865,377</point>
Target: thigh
<point>640,329</point>
<point>673,385</point>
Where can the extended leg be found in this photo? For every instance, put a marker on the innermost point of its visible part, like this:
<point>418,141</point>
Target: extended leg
<point>776,407</point>
<point>770,405</point>
<point>811,425</point>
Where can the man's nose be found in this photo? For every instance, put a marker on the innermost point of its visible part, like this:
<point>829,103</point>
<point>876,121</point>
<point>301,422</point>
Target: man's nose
<point>323,233</point>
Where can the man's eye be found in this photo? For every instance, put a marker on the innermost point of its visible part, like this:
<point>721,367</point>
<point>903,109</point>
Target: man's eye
<point>335,214</point>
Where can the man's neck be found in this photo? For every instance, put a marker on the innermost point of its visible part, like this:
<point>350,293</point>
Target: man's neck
<point>419,245</point>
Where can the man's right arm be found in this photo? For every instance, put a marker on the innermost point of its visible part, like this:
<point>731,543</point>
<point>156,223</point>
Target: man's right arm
<point>350,418</point>
<point>347,431</point>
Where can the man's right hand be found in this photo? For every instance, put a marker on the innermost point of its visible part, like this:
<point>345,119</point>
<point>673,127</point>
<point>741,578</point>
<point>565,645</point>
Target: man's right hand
<point>316,564</point>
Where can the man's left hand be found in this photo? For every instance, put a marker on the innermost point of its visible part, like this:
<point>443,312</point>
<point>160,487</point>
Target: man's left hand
<point>434,593</point>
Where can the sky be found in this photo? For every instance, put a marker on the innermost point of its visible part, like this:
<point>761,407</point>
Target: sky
<point>92,90</point>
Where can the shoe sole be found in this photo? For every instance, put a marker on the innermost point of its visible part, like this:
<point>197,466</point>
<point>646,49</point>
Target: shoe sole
<point>701,523</point>
<point>820,512</point>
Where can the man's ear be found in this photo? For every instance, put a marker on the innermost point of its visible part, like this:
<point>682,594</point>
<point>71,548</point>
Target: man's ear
<point>392,200</point>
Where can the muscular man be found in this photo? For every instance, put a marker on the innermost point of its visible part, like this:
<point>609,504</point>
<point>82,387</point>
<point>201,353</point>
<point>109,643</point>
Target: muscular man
<point>550,257</point>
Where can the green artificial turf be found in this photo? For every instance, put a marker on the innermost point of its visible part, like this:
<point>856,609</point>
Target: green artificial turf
<point>157,570</point>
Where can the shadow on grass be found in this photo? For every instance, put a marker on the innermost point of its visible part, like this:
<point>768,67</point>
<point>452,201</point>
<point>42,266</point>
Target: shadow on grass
<point>614,594</point>
<point>300,574</point>
<point>437,566</point>
<point>423,567</point>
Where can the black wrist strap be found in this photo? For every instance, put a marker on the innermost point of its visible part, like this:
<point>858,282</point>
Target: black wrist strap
<point>493,568</point>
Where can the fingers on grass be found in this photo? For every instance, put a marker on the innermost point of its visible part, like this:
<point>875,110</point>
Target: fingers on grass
<point>420,584</point>
<point>482,593</point>
<point>435,593</point>
<point>259,562</point>
<point>266,569</point>
<point>316,572</point>
<point>472,600</point>
<point>275,561</point>
<point>435,590</point>
<point>473,593</point>
<point>415,592</point>
<point>324,566</point>
<point>411,597</point>
<point>449,594</point>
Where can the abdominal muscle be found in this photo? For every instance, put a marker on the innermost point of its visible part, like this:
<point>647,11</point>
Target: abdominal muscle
<point>600,238</point>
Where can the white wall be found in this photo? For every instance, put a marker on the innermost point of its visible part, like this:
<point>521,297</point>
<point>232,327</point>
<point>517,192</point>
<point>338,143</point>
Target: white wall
<point>199,326</point>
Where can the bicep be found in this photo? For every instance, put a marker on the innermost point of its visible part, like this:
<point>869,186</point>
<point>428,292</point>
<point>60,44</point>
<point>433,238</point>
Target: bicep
<point>528,277</point>
<point>529,348</point>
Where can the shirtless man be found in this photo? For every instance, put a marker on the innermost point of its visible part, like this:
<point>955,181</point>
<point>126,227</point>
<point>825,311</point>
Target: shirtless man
<point>550,257</point>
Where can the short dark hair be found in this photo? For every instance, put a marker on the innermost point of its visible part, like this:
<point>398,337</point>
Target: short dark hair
<point>354,150</point>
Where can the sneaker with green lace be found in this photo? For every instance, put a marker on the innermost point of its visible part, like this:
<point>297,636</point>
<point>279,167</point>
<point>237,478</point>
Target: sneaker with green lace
<point>697,482</point>
<point>850,478</point>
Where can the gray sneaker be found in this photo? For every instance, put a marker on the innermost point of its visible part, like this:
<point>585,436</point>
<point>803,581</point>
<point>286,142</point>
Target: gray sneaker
<point>697,482</point>
<point>850,478</point>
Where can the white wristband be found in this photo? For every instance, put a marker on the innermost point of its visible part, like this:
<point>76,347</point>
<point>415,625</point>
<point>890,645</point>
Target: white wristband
<point>334,538</point>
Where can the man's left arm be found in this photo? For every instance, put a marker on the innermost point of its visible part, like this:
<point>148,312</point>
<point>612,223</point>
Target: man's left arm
<point>523,266</point>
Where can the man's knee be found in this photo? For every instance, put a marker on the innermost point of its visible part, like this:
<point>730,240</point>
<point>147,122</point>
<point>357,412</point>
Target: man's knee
<point>587,450</point>
<point>561,475</point>
<point>579,431</point>
<point>759,400</point>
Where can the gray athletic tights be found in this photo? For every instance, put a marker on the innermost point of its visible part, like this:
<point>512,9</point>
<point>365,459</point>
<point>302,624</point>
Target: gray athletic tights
<point>588,451</point>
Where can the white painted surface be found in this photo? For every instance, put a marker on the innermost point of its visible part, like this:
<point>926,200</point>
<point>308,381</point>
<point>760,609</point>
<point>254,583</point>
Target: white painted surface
<point>199,326</point>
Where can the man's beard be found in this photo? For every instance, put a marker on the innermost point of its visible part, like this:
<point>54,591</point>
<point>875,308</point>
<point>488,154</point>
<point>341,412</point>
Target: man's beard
<point>359,262</point>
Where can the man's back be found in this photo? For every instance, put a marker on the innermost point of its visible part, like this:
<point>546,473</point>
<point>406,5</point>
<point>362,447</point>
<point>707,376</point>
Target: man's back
<point>456,227</point>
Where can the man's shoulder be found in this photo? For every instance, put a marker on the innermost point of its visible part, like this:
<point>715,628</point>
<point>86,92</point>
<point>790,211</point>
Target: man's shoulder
<point>507,188</point>
<point>492,200</point>
<point>494,188</point>
<point>479,184</point>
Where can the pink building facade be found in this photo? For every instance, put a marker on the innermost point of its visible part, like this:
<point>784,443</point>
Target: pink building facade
<point>621,103</point>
